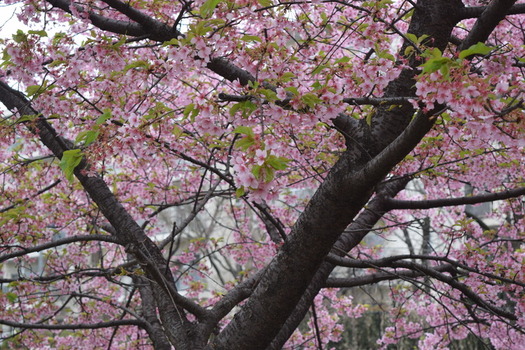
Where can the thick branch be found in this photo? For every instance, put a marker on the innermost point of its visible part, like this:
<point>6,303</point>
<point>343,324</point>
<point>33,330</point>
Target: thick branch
<point>104,23</point>
<point>354,234</point>
<point>242,291</point>
<point>477,11</point>
<point>126,228</point>
<point>159,30</point>
<point>149,312</point>
<point>487,21</point>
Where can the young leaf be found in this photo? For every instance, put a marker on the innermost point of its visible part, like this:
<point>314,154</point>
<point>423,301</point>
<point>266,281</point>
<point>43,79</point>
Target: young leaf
<point>208,7</point>
<point>70,160</point>
<point>251,38</point>
<point>88,136</point>
<point>476,49</point>
<point>103,117</point>
<point>246,130</point>
<point>240,192</point>
<point>278,163</point>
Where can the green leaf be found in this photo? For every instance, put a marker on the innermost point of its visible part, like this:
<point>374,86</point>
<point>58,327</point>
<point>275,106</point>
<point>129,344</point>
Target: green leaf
<point>265,3</point>
<point>208,7</point>
<point>20,36</point>
<point>240,192</point>
<point>177,131</point>
<point>368,118</point>
<point>412,37</point>
<point>319,69</point>
<point>317,85</point>
<point>251,38</point>
<point>136,64</point>
<point>103,117</point>
<point>435,64</point>
<point>269,174</point>
<point>247,108</point>
<point>278,163</point>
<point>433,53</point>
<point>246,130</point>
<point>38,32</point>
<point>269,94</point>
<point>293,90</point>
<point>70,160</point>
<point>27,118</point>
<point>286,77</point>
<point>174,42</point>
<point>11,296</point>
<point>256,171</point>
<point>477,49</point>
<point>310,100</point>
<point>245,142</point>
<point>188,109</point>
<point>34,90</point>
<point>88,137</point>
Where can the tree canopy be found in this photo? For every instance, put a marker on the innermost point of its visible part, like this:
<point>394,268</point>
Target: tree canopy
<point>210,174</point>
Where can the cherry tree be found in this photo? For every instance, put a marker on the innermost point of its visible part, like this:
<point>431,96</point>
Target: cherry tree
<point>289,131</point>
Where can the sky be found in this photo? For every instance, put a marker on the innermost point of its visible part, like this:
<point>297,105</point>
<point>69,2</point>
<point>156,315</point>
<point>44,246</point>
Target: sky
<point>8,21</point>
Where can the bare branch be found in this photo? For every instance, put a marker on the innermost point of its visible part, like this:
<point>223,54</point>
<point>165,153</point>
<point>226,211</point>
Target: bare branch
<point>45,189</point>
<point>423,270</point>
<point>378,101</point>
<point>377,277</point>
<point>98,325</point>
<point>447,202</point>
<point>38,248</point>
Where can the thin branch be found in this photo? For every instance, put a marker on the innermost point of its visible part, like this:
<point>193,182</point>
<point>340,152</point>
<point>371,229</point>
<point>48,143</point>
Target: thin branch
<point>435,272</point>
<point>447,202</point>
<point>83,238</point>
<point>98,325</point>
<point>376,278</point>
<point>108,302</point>
<point>45,189</point>
<point>378,101</point>
<point>170,302</point>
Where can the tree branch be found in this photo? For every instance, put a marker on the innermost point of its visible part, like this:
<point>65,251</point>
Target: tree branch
<point>98,325</point>
<point>354,234</point>
<point>448,202</point>
<point>82,238</point>
<point>104,23</point>
<point>160,31</point>
<point>424,271</point>
<point>378,101</point>
<point>378,277</point>
<point>45,189</point>
<point>477,11</point>
<point>170,302</point>
<point>487,21</point>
